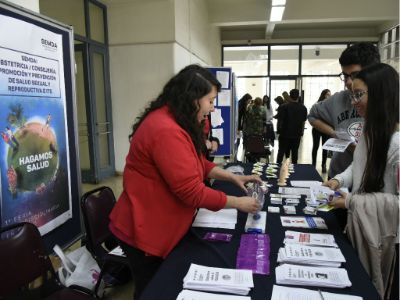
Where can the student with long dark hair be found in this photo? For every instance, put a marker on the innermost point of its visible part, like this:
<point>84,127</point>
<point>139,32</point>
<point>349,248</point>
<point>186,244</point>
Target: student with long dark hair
<point>373,205</point>
<point>242,106</point>
<point>317,136</point>
<point>163,181</point>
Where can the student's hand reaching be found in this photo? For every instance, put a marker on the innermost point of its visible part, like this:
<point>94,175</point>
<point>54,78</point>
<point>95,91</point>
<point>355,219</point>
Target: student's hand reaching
<point>333,184</point>
<point>241,180</point>
<point>339,201</point>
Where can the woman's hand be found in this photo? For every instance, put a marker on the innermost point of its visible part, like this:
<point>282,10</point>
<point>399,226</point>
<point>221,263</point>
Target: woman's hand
<point>338,201</point>
<point>241,180</point>
<point>244,204</point>
<point>333,184</point>
<point>214,146</point>
<point>208,145</point>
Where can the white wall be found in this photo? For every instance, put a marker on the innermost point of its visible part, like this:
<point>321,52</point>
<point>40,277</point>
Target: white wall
<point>194,32</point>
<point>138,73</point>
<point>149,42</point>
<point>29,4</point>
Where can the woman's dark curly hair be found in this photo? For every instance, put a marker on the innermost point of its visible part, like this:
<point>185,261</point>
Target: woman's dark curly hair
<point>180,94</point>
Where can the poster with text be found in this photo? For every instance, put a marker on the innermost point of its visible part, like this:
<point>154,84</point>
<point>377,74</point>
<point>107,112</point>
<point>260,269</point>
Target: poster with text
<point>34,157</point>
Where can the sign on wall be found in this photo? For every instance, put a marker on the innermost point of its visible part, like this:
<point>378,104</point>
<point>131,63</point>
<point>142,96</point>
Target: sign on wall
<point>34,152</point>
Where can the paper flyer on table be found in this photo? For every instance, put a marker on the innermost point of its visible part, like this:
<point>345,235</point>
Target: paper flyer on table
<point>289,293</point>
<point>312,276</point>
<point>194,295</point>
<point>218,280</point>
<point>303,222</point>
<point>311,239</point>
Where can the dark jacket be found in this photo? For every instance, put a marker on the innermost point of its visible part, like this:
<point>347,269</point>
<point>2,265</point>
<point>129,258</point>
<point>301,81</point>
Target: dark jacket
<point>291,117</point>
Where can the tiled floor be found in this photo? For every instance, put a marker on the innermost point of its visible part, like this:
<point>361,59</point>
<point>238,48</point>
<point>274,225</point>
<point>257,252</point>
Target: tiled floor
<point>125,292</point>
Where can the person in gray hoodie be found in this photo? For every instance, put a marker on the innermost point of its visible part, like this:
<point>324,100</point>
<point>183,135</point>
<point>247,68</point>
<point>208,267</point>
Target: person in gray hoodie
<point>337,113</point>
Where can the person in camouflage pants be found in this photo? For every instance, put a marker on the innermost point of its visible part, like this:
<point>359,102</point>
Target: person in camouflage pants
<point>254,118</point>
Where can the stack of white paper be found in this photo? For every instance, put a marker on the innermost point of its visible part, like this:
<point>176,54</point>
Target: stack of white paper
<point>294,191</point>
<point>224,218</point>
<point>309,239</point>
<point>312,276</point>
<point>193,295</point>
<point>304,183</point>
<point>307,255</point>
<point>289,293</point>
<point>218,280</point>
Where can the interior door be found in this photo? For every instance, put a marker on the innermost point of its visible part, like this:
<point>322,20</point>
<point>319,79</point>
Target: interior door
<point>101,115</point>
<point>278,85</point>
<point>86,145</point>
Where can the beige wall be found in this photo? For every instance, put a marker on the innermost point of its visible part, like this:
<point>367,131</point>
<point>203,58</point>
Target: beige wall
<point>149,42</point>
<point>29,4</point>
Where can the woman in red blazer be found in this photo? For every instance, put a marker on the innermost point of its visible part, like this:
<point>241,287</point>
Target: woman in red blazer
<point>164,175</point>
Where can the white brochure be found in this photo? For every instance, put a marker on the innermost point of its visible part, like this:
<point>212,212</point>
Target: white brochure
<point>289,293</point>
<point>194,295</point>
<point>310,239</point>
<point>307,255</point>
<point>218,280</point>
<point>312,276</point>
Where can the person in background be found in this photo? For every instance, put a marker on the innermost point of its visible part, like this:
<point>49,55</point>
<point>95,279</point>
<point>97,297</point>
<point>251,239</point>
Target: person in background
<point>269,127</point>
<point>291,117</point>
<point>373,204</point>
<point>286,97</point>
<point>212,143</point>
<point>255,118</point>
<point>242,106</point>
<point>278,100</point>
<point>338,114</point>
<point>317,136</point>
<point>163,180</point>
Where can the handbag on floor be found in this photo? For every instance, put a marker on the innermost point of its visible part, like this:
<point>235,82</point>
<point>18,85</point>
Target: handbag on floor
<point>78,268</point>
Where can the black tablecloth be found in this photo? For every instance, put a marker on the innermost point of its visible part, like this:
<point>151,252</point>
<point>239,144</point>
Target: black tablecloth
<point>168,282</point>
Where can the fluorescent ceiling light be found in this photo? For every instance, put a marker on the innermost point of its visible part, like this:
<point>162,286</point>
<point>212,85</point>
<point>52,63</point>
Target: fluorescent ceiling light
<point>244,48</point>
<point>276,13</point>
<point>278,2</point>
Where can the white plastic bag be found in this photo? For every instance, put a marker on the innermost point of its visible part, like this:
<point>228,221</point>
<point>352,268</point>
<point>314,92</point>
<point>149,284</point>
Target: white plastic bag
<point>78,268</point>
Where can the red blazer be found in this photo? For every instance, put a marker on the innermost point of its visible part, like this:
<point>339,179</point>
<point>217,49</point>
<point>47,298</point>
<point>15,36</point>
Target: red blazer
<point>162,187</point>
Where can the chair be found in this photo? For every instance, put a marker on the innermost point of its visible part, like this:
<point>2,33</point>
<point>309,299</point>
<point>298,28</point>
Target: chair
<point>23,260</point>
<point>255,148</point>
<point>96,206</point>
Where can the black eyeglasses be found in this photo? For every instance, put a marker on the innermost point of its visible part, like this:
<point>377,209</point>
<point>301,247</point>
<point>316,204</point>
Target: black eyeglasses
<point>357,96</point>
<point>344,76</point>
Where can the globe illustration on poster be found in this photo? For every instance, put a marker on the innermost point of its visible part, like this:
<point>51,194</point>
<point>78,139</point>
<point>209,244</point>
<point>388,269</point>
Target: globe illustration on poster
<point>33,163</point>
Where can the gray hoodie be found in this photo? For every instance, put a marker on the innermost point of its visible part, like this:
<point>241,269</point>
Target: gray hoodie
<point>338,112</point>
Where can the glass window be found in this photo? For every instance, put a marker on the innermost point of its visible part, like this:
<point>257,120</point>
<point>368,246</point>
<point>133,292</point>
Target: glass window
<point>313,86</point>
<point>70,12</point>
<point>284,60</point>
<point>321,59</point>
<point>247,61</point>
<point>256,87</point>
<point>96,23</point>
